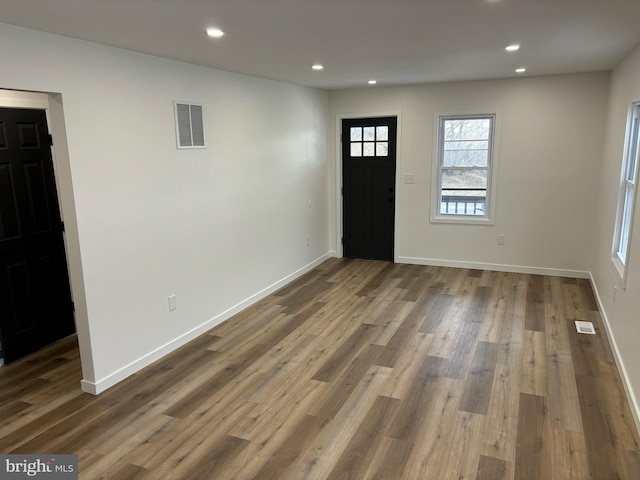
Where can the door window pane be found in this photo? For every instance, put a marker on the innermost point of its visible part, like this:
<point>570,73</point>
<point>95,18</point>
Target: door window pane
<point>356,134</point>
<point>382,149</point>
<point>382,133</point>
<point>369,133</point>
<point>356,149</point>
<point>368,149</point>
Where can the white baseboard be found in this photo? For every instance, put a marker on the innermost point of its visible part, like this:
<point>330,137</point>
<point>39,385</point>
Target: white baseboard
<point>633,401</point>
<point>90,387</point>
<point>110,380</point>
<point>496,267</point>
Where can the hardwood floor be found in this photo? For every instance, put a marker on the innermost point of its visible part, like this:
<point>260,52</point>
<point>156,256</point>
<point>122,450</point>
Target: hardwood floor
<point>359,369</point>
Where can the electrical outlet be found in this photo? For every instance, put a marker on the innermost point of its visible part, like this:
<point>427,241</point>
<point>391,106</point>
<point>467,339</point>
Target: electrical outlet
<point>172,303</point>
<point>409,179</point>
<point>501,239</point>
<point>615,292</point>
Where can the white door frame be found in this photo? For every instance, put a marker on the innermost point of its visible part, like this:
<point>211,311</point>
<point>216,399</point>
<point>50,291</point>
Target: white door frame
<point>52,104</point>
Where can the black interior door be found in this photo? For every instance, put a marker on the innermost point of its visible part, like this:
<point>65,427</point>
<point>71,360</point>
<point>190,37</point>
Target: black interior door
<point>368,182</point>
<point>35,299</point>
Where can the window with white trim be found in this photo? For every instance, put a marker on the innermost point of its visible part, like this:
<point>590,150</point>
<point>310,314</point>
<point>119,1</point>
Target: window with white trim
<point>627,194</point>
<point>464,168</point>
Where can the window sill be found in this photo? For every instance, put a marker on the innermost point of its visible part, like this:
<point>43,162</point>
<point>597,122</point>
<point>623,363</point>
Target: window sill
<point>461,219</point>
<point>620,270</point>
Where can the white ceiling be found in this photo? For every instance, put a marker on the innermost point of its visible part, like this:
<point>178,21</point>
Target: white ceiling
<point>392,41</point>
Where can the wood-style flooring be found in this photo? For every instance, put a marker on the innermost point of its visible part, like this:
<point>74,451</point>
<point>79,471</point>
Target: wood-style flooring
<point>358,370</point>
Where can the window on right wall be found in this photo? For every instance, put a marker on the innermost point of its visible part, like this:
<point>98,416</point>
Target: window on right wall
<point>627,193</point>
<point>464,169</point>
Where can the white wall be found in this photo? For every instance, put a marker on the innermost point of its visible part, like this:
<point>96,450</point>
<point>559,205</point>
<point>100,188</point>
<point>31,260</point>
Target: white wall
<point>217,227</point>
<point>549,148</point>
<point>622,314</point>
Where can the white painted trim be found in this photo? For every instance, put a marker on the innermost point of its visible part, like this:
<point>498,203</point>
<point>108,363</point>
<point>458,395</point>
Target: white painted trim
<point>460,219</point>
<point>90,387</point>
<point>20,99</point>
<point>338,184</point>
<point>633,401</point>
<point>110,380</point>
<point>496,267</point>
<point>398,185</point>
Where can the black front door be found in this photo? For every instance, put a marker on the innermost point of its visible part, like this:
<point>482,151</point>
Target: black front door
<point>35,298</point>
<point>368,182</point>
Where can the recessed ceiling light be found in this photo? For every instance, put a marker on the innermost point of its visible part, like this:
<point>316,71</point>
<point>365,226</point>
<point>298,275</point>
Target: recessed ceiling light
<point>513,48</point>
<point>317,66</point>
<point>521,70</point>
<point>372,82</point>
<point>214,32</point>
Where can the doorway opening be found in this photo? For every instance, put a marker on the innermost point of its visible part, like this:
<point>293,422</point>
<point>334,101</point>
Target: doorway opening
<point>36,309</point>
<point>48,182</point>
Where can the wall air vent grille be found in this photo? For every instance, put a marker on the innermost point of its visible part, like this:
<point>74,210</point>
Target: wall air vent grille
<point>189,125</point>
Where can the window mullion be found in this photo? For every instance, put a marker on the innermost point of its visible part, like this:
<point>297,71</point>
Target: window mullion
<point>465,168</point>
